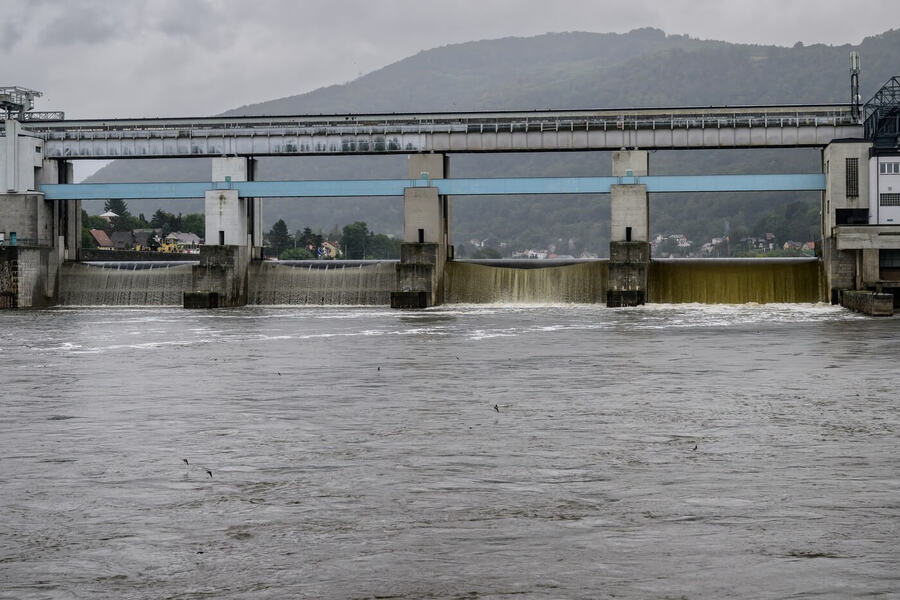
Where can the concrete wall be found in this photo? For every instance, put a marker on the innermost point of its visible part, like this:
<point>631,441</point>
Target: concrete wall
<point>223,270</point>
<point>636,161</point>
<point>629,207</point>
<point>867,270</point>
<point>19,156</point>
<point>842,264</point>
<point>421,210</point>
<point>437,166</point>
<point>226,212</point>
<point>870,303</point>
<point>857,237</point>
<point>834,160</point>
<point>30,216</point>
<point>884,178</point>
<point>28,277</point>
<point>839,269</point>
<point>9,278</point>
<point>239,218</point>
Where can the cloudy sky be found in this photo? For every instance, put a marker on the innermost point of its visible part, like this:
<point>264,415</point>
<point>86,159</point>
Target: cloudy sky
<point>122,58</point>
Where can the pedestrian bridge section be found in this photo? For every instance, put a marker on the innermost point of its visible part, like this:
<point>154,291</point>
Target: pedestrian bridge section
<point>503,131</point>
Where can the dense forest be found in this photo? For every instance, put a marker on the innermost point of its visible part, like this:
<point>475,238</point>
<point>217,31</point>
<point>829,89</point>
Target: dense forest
<point>645,67</point>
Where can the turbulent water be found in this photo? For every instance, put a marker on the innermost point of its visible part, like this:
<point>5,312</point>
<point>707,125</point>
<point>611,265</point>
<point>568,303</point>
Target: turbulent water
<point>661,452</point>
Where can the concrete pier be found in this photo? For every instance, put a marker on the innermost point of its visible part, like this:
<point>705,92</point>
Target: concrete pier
<point>230,219</point>
<point>36,234</point>
<point>426,243</point>
<point>221,279</point>
<point>866,302</point>
<point>629,246</point>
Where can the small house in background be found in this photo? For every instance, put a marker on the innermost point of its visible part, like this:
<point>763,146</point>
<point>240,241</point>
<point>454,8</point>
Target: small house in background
<point>143,238</point>
<point>102,240</point>
<point>122,240</point>
<point>108,216</point>
<point>329,250</point>
<point>183,239</point>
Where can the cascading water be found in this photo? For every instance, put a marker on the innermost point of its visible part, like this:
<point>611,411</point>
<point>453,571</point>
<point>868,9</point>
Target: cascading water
<point>707,281</point>
<point>525,282</point>
<point>124,283</point>
<point>736,280</point>
<point>359,282</point>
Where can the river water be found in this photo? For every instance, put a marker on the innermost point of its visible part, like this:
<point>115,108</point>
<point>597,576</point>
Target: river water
<point>667,451</point>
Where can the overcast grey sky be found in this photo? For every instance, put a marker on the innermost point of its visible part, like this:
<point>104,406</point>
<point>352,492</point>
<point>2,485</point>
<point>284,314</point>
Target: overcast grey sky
<point>121,58</point>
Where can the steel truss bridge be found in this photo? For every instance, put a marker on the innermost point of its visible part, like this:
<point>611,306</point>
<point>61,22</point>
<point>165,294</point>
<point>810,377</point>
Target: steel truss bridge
<point>498,131</point>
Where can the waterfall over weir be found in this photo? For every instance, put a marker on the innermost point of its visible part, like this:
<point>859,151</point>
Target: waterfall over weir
<point>124,283</point>
<point>706,281</point>
<point>505,281</point>
<point>736,280</point>
<point>320,282</point>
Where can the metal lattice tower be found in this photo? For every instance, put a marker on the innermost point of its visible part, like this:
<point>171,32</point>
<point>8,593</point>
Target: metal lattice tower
<point>18,103</point>
<point>854,84</point>
<point>882,116</point>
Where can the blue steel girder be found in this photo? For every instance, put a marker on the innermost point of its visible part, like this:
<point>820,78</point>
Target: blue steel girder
<point>449,187</point>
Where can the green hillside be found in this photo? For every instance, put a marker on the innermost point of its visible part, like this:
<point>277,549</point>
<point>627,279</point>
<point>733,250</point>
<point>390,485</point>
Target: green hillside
<point>644,68</point>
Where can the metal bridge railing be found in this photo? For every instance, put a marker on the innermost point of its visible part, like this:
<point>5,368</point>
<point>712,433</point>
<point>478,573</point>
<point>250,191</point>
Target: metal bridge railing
<point>499,126</point>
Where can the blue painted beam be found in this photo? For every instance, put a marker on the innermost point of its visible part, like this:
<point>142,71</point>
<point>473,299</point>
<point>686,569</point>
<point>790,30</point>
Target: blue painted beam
<point>450,187</point>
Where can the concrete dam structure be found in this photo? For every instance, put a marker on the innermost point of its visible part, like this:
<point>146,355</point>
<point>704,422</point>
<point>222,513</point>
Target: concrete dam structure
<point>41,212</point>
<point>370,283</point>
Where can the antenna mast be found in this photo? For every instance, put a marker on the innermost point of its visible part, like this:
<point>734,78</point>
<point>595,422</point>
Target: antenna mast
<point>854,84</point>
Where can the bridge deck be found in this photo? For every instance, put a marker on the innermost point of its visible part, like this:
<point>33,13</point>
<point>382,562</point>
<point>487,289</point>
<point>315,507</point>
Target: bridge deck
<point>498,131</point>
<point>450,187</point>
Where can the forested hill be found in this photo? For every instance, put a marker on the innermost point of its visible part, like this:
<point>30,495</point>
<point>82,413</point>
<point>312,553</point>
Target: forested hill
<point>643,68</point>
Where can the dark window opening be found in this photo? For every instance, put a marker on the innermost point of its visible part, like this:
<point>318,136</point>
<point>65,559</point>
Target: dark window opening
<point>421,236</point>
<point>628,234</point>
<point>851,216</point>
<point>889,265</point>
<point>852,177</point>
<point>221,238</point>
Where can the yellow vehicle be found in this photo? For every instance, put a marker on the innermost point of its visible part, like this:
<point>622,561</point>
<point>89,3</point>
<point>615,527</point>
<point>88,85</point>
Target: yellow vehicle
<point>170,247</point>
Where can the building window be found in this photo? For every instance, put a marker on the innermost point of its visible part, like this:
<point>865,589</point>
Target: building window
<point>852,177</point>
<point>890,200</point>
<point>890,168</point>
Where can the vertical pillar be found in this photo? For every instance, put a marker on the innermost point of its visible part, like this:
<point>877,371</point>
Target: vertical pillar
<point>426,243</point>
<point>232,239</point>
<point>846,204</point>
<point>629,246</point>
<point>66,213</point>
<point>237,221</point>
<point>11,157</point>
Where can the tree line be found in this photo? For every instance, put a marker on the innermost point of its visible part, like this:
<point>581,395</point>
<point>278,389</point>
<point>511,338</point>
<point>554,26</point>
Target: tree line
<point>355,242</point>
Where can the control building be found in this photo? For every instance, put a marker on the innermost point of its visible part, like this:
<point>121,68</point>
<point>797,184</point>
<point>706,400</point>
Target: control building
<point>861,202</point>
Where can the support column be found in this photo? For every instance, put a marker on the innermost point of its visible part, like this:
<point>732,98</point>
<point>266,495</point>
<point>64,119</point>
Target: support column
<point>629,246</point>
<point>426,243</point>
<point>66,213</point>
<point>230,220</point>
<point>846,202</point>
<point>28,272</point>
<point>233,238</point>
